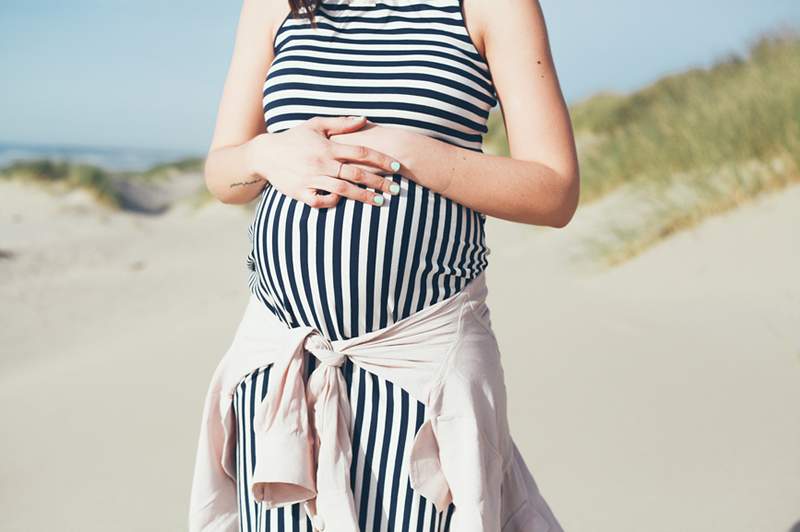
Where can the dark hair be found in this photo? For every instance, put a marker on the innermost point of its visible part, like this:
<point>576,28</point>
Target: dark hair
<point>308,7</point>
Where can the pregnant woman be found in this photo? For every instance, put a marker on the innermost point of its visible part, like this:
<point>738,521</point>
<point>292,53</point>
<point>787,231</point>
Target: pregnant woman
<point>357,126</point>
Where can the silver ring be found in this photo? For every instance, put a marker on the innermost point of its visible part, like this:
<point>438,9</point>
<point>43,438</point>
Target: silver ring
<point>340,169</point>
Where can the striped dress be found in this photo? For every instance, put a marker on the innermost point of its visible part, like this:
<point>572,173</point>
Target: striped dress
<point>354,268</point>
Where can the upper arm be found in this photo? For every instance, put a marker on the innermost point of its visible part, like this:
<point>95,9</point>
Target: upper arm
<point>536,117</point>
<point>239,115</point>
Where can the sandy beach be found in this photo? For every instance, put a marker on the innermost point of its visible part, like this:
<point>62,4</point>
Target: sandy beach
<point>662,395</point>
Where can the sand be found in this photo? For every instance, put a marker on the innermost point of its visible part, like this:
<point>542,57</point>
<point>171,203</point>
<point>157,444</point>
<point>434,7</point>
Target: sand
<point>661,395</point>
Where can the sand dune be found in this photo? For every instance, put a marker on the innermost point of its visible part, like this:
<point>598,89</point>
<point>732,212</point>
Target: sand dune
<point>661,395</point>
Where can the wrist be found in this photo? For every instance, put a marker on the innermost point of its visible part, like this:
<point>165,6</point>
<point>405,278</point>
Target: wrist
<point>252,164</point>
<point>420,154</point>
<point>410,147</point>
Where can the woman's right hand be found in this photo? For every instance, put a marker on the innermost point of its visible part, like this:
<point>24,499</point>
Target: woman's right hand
<point>301,161</point>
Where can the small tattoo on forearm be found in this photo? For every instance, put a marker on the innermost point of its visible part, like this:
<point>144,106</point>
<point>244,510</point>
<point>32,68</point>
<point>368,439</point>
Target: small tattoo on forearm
<point>245,183</point>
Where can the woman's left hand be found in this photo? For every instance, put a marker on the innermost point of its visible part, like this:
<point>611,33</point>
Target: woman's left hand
<point>406,146</point>
<point>394,141</point>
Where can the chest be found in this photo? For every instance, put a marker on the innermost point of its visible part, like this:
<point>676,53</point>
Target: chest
<point>403,63</point>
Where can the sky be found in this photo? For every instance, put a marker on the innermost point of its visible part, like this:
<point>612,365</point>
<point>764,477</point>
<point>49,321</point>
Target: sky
<point>149,73</point>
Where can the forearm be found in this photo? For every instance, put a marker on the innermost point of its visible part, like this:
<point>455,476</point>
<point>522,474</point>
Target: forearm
<point>229,173</point>
<point>517,190</point>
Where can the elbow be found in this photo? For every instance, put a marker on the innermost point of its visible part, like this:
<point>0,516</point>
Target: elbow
<point>568,202</point>
<point>227,199</point>
<point>218,194</point>
<point>211,186</point>
<point>563,216</point>
<point>207,177</point>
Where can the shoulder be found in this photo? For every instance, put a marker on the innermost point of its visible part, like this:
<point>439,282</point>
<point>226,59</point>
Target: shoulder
<point>504,18</point>
<point>278,13</point>
<point>264,16</point>
<point>487,19</point>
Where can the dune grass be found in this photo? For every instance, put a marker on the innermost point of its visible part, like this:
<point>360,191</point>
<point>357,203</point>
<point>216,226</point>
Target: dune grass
<point>740,109</point>
<point>65,175</point>
<point>691,145</point>
<point>165,170</point>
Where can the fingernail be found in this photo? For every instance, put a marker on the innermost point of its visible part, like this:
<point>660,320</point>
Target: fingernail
<point>395,166</point>
<point>378,199</point>
<point>394,188</point>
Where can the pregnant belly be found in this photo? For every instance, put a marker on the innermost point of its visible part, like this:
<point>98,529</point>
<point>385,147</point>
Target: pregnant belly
<point>354,268</point>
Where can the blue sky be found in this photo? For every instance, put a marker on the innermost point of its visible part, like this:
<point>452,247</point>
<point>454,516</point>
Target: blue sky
<point>149,74</point>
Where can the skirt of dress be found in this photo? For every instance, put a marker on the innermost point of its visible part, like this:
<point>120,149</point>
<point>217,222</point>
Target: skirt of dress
<point>384,422</point>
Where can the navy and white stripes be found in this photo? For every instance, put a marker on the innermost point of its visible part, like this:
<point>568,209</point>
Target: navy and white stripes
<point>354,267</point>
<point>384,422</point>
<point>401,62</point>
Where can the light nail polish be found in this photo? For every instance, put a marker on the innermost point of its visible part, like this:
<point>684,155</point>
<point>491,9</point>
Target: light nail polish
<point>378,199</point>
<point>395,166</point>
<point>394,188</point>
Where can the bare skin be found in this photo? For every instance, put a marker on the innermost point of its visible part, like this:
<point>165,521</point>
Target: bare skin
<point>538,184</point>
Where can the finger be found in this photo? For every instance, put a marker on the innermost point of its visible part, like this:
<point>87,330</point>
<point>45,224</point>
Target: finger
<point>313,198</point>
<point>366,155</point>
<point>332,125</point>
<point>357,174</point>
<point>349,190</point>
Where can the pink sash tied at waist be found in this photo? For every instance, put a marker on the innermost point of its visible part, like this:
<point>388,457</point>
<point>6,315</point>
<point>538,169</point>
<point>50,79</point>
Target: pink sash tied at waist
<point>314,419</point>
<point>444,356</point>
